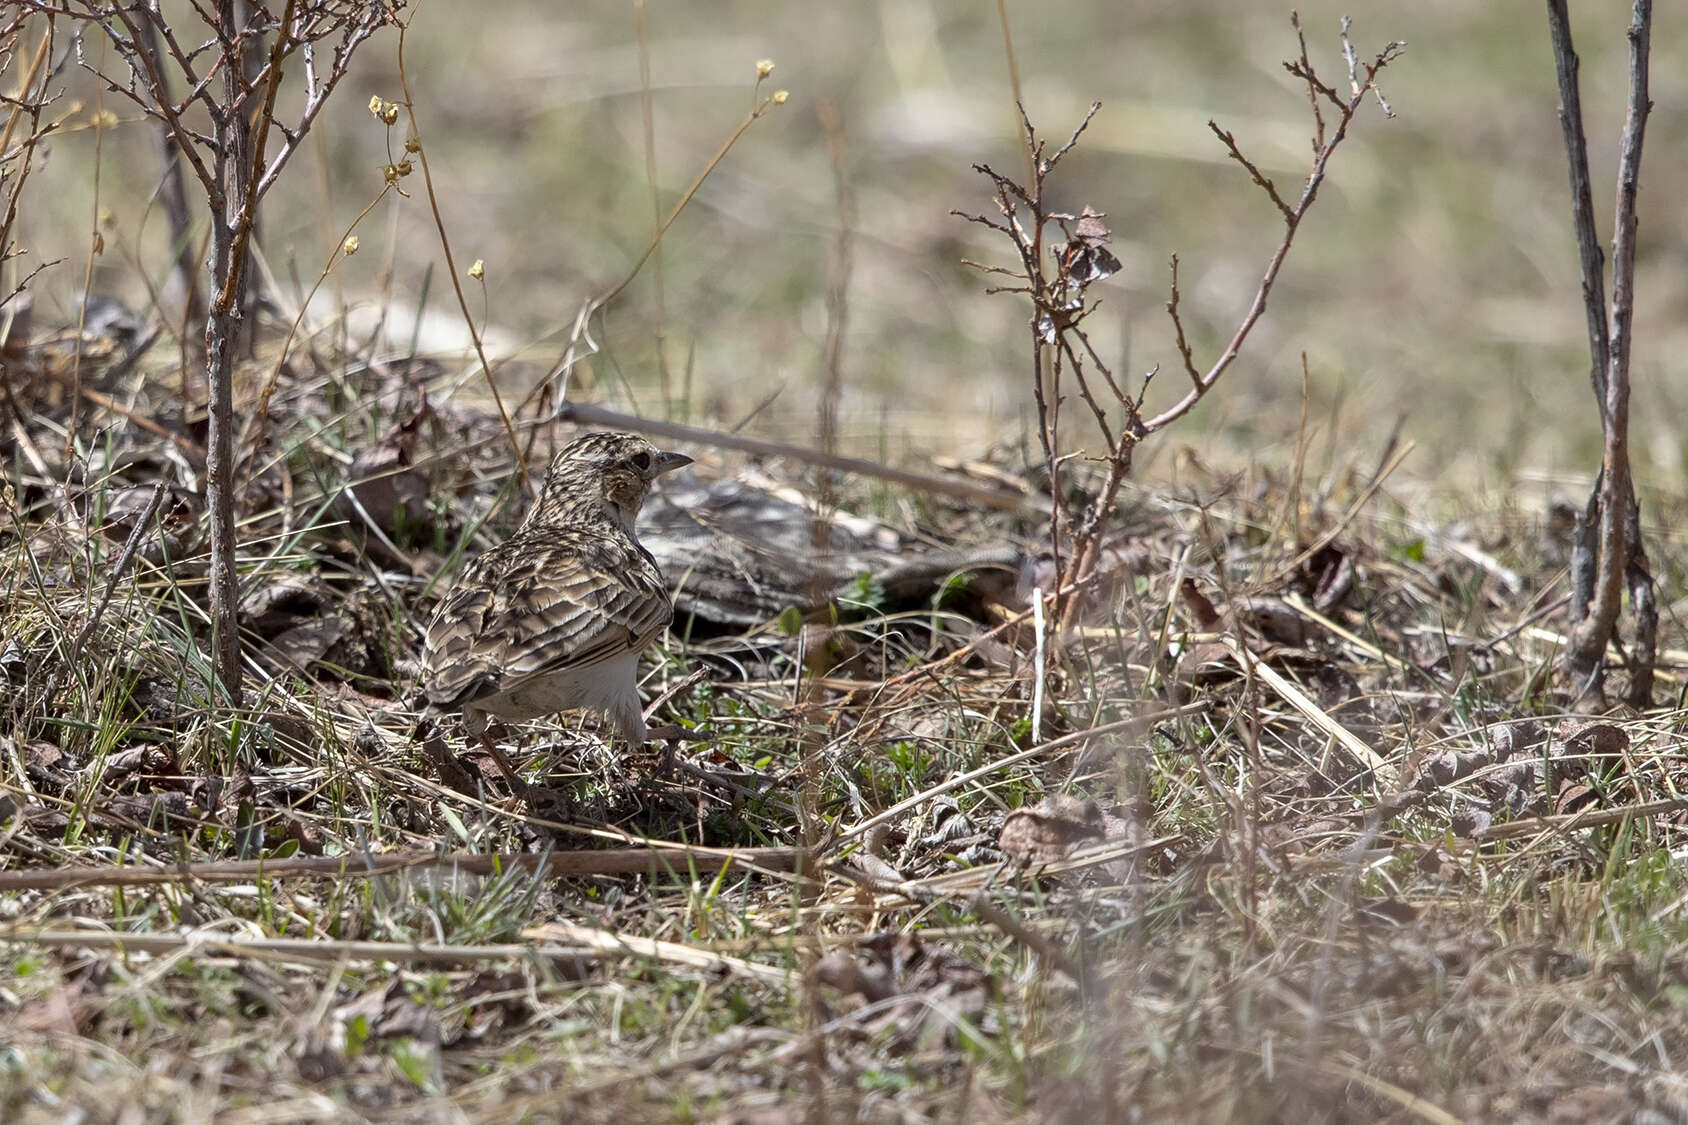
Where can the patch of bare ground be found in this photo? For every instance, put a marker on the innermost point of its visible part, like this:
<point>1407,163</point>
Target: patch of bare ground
<point>1296,827</point>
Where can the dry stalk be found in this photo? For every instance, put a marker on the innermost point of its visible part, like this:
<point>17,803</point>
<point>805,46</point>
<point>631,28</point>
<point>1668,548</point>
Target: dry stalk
<point>958,487</point>
<point>580,343</point>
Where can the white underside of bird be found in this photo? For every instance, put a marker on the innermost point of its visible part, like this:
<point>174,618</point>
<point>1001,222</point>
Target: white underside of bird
<point>609,686</point>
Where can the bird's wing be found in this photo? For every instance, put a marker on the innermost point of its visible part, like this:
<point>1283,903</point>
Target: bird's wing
<point>544,600</point>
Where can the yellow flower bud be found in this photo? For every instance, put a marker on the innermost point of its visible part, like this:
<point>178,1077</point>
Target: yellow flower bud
<point>478,270</point>
<point>764,67</point>
<point>350,246</point>
<point>780,96</point>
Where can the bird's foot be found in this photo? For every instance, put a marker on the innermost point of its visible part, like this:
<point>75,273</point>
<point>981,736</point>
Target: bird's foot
<point>518,788</point>
<point>670,735</point>
<point>674,732</point>
<point>452,770</point>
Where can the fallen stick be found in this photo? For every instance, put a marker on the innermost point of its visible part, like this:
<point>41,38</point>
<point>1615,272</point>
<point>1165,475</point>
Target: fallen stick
<point>1560,823</point>
<point>552,941</point>
<point>607,861</point>
<point>966,490</point>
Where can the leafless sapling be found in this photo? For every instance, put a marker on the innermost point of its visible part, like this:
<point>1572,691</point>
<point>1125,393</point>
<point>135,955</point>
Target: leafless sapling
<point>230,126</point>
<point>1608,554</point>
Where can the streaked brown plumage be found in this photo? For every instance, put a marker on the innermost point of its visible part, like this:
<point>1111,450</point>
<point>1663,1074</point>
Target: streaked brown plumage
<point>555,617</point>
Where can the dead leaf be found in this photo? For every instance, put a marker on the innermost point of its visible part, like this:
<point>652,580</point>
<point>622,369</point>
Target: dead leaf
<point>1207,617</point>
<point>390,1013</point>
<point>1275,619</point>
<point>1469,820</point>
<point>936,985</point>
<point>303,645</point>
<point>867,977</point>
<point>64,1011</point>
<point>1084,260</point>
<point>389,491</point>
<point>1597,743</point>
<point>1330,573</point>
<point>1050,830</point>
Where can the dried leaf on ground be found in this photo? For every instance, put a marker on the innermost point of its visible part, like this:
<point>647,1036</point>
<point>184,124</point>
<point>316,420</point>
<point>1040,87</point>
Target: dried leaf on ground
<point>1049,831</point>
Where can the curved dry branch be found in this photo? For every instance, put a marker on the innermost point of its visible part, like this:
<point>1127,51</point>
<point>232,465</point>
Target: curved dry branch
<point>1365,81</point>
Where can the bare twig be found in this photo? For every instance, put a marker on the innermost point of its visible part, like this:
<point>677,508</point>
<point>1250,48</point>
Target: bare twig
<point>172,196</point>
<point>1326,145</point>
<point>1591,257</point>
<point>557,377</point>
<point>451,265</point>
<point>143,524</point>
<point>1260,178</point>
<point>31,100</point>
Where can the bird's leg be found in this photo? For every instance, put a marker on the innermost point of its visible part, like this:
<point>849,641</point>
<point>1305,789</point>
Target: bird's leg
<point>665,764</point>
<point>474,721</point>
<point>673,736</point>
<point>502,761</point>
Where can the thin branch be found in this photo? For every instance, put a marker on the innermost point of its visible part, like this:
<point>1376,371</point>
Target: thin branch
<point>1049,166</point>
<point>355,34</point>
<point>1183,342</point>
<point>158,91</point>
<point>1254,171</point>
<point>451,266</point>
<point>1589,253</point>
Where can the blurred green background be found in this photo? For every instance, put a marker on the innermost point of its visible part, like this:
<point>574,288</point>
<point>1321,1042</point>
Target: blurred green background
<point>1436,278</point>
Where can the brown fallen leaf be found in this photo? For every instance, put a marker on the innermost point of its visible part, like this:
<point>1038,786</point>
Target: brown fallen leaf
<point>922,988</point>
<point>1469,820</point>
<point>64,1011</point>
<point>855,976</point>
<point>305,644</point>
<point>1050,830</point>
<point>1595,741</point>
<point>1274,619</point>
<point>1207,617</point>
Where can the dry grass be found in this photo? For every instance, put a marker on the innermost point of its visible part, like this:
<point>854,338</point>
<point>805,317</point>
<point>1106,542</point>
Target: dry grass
<point>1247,921</point>
<point>1276,839</point>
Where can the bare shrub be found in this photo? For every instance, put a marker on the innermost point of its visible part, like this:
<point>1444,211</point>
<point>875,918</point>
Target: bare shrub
<point>1056,273</point>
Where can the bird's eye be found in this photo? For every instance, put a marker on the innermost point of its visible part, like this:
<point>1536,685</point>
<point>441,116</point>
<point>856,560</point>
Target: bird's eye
<point>642,462</point>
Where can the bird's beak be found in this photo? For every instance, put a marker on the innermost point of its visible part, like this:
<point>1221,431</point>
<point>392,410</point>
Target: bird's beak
<point>668,462</point>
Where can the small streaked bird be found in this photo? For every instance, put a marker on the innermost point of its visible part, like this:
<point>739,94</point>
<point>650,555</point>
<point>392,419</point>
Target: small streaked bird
<point>555,617</point>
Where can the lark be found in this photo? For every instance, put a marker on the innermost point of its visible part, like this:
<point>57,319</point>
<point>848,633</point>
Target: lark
<point>555,617</point>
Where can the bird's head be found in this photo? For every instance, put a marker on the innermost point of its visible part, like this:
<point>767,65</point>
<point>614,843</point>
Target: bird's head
<point>609,472</point>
